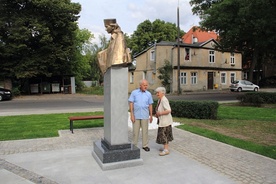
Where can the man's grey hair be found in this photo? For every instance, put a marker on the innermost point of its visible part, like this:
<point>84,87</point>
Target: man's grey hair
<point>161,89</point>
<point>142,80</point>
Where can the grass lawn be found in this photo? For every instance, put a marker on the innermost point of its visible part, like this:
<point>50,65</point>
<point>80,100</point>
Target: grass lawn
<point>249,128</point>
<point>43,125</point>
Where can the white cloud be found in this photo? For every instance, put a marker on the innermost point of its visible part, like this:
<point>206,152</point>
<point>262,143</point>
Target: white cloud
<point>130,13</point>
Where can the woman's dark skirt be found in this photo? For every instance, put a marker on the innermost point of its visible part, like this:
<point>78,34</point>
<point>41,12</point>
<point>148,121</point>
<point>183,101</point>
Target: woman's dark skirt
<point>164,135</point>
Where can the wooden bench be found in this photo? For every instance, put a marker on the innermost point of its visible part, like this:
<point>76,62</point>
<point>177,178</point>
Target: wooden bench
<point>74,118</point>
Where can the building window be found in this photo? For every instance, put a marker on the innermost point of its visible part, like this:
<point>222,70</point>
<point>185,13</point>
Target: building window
<point>187,54</point>
<point>131,79</point>
<point>183,78</point>
<point>211,56</point>
<point>223,78</point>
<point>244,75</point>
<point>193,78</point>
<point>232,77</point>
<point>152,55</point>
<point>144,74</point>
<point>232,59</point>
<point>194,39</point>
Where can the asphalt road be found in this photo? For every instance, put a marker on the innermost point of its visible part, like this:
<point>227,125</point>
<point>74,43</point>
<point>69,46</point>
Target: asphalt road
<point>59,103</point>
<point>51,103</point>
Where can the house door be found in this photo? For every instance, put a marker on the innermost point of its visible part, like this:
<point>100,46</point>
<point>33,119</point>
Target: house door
<point>210,80</point>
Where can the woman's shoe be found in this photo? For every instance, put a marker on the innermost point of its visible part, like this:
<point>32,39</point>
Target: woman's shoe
<point>163,153</point>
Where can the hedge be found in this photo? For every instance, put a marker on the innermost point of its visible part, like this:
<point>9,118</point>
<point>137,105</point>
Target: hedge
<point>257,99</point>
<point>193,109</point>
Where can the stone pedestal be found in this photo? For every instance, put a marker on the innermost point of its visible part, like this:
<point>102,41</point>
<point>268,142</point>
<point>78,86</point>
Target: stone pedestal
<point>114,150</point>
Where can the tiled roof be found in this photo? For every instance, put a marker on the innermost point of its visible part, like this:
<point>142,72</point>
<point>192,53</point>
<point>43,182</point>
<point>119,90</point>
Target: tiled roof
<point>196,34</point>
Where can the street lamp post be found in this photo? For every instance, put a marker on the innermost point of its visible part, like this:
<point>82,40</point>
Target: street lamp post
<point>178,52</point>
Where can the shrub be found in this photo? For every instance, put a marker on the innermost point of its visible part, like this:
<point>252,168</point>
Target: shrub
<point>97,90</point>
<point>257,99</point>
<point>193,109</point>
<point>15,91</point>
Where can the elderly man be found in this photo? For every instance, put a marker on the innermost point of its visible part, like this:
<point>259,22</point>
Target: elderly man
<point>140,106</point>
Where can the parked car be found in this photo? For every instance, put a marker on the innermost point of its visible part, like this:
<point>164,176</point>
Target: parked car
<point>5,94</point>
<point>243,85</point>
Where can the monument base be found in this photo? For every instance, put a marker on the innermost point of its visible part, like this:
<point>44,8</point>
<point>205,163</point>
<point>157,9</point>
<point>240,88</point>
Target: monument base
<point>114,157</point>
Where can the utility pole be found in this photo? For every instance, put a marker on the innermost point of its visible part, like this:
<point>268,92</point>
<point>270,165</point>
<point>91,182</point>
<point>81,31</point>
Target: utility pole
<point>178,52</point>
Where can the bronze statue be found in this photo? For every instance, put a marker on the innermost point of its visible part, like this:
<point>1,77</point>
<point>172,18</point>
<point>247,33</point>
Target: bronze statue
<point>116,54</point>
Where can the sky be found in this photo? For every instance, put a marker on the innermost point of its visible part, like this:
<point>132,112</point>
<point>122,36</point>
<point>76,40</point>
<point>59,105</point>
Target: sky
<point>130,13</point>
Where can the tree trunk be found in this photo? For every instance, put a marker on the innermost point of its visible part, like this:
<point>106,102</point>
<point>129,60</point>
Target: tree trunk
<point>253,64</point>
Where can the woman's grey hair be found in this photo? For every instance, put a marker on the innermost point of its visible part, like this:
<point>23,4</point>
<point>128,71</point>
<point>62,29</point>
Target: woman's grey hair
<point>161,89</point>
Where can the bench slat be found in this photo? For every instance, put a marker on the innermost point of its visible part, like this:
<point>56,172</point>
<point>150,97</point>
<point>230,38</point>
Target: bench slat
<point>85,117</point>
<point>73,118</point>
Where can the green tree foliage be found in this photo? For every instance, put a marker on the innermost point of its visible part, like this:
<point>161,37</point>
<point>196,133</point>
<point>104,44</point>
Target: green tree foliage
<point>165,75</point>
<point>149,32</point>
<point>200,6</point>
<point>91,53</point>
<point>81,61</point>
<point>245,25</point>
<point>37,37</point>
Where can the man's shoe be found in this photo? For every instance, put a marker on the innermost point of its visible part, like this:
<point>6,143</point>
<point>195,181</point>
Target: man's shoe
<point>163,153</point>
<point>146,148</point>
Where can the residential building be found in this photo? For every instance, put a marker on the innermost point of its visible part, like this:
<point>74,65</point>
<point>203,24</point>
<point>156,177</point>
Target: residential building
<point>202,66</point>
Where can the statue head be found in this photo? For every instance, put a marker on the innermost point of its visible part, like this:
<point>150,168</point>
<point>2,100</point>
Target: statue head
<point>110,25</point>
<point>109,22</point>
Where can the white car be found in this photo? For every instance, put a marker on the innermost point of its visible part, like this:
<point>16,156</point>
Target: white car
<point>243,85</point>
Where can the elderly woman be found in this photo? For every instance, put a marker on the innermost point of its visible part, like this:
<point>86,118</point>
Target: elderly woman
<point>163,113</point>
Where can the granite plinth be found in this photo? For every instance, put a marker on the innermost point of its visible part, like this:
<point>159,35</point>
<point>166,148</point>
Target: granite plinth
<point>116,158</point>
<point>115,155</point>
<point>114,147</point>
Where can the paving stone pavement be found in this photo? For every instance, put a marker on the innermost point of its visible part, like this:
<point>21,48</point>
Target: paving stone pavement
<point>241,166</point>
